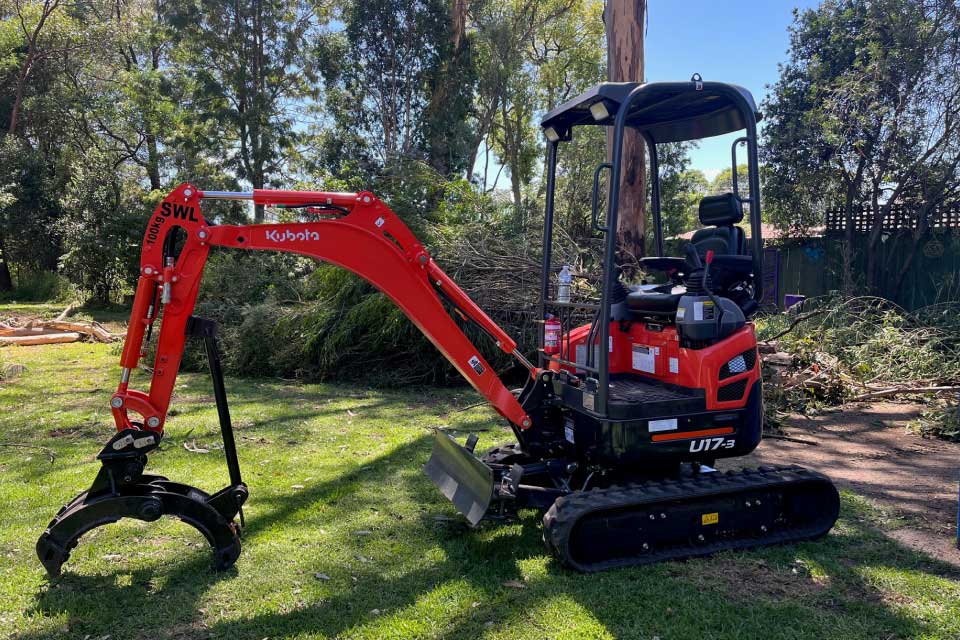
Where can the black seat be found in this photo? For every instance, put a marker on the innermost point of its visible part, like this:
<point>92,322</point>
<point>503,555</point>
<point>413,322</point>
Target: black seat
<point>722,212</point>
<point>725,239</point>
<point>655,303</point>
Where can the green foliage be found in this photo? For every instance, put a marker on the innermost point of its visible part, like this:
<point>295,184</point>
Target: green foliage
<point>681,189</point>
<point>862,112</point>
<point>100,228</point>
<point>28,207</point>
<point>39,286</point>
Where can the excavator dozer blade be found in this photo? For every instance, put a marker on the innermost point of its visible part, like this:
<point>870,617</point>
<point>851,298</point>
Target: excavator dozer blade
<point>461,477</point>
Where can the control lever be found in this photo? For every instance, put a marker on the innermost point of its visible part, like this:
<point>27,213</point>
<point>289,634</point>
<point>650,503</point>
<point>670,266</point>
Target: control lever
<point>706,286</point>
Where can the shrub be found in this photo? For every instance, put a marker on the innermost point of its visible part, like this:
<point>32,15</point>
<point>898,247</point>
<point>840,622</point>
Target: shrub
<point>40,286</point>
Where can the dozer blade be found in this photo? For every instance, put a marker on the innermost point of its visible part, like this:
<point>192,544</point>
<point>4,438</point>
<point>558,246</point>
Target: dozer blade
<point>461,477</point>
<point>148,501</point>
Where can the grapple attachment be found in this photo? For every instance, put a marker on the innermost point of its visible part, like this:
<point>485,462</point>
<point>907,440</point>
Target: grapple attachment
<point>120,490</point>
<point>461,477</point>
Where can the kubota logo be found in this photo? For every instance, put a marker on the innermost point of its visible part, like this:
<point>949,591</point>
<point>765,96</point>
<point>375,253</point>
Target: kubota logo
<point>286,235</point>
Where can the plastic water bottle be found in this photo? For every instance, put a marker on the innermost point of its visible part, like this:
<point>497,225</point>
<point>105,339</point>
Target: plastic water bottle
<point>563,291</point>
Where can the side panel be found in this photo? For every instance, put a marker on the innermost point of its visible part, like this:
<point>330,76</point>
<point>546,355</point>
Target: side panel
<point>702,437</point>
<point>653,351</point>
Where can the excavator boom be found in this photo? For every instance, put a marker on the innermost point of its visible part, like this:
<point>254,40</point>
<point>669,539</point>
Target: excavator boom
<point>365,237</point>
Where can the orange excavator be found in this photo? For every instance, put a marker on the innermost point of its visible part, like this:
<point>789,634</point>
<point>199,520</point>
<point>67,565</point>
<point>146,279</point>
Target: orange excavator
<point>620,420</point>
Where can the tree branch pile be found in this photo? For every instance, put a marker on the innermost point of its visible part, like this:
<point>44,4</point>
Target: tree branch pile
<point>861,349</point>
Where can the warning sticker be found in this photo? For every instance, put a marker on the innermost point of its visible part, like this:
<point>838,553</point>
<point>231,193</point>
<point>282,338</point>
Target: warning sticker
<point>710,518</point>
<point>644,358</point>
<point>475,363</point>
<point>674,365</point>
<point>568,430</point>
<point>588,403</point>
<point>703,310</point>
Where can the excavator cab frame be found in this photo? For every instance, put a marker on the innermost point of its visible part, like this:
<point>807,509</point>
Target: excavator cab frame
<point>661,112</point>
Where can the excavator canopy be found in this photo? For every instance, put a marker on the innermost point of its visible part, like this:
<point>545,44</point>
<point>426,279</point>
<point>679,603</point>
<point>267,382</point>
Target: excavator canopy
<point>667,111</point>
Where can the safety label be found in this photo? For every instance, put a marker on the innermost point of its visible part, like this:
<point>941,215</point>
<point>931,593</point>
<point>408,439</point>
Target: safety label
<point>475,363</point>
<point>703,310</point>
<point>674,365</point>
<point>645,358</point>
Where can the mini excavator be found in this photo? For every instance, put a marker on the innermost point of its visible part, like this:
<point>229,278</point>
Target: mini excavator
<point>621,419</point>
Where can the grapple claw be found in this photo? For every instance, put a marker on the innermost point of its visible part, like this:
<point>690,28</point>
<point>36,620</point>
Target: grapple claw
<point>120,492</point>
<point>142,501</point>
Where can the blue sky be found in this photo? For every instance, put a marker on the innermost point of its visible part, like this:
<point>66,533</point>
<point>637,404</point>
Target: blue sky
<point>738,41</point>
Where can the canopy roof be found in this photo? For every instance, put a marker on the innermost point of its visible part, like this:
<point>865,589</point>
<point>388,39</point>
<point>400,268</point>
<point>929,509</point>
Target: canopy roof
<point>668,111</point>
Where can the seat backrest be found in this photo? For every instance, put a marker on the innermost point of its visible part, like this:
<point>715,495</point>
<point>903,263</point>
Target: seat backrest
<point>723,212</point>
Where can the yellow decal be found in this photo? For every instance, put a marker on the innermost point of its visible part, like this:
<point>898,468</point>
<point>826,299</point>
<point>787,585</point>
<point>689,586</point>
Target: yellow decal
<point>710,518</point>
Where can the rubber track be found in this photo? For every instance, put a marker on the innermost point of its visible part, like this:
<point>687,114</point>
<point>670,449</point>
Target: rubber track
<point>560,520</point>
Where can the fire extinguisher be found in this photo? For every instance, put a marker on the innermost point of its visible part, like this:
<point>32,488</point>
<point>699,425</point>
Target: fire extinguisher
<point>551,335</point>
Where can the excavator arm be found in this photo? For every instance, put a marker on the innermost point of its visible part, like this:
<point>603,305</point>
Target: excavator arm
<point>363,236</point>
<point>355,231</point>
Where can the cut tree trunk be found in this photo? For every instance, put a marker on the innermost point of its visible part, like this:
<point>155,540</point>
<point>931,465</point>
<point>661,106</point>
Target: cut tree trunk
<point>625,21</point>
<point>42,338</point>
<point>93,329</point>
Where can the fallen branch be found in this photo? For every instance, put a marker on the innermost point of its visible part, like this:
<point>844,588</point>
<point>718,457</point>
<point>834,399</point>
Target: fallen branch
<point>894,391</point>
<point>800,318</point>
<point>93,329</point>
<point>775,436</point>
<point>69,311</point>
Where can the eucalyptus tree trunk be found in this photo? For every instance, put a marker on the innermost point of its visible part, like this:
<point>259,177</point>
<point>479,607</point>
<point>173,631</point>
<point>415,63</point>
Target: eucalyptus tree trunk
<point>625,21</point>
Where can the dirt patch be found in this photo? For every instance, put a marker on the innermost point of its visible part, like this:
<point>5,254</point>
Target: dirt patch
<point>867,449</point>
<point>745,579</point>
<point>943,548</point>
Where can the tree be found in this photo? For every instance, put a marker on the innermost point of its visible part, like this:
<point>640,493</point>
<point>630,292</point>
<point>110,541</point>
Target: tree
<point>32,20</point>
<point>252,63</point>
<point>101,227</point>
<point>507,58</point>
<point>569,56</point>
<point>625,20</point>
<point>866,112</point>
<point>681,188</point>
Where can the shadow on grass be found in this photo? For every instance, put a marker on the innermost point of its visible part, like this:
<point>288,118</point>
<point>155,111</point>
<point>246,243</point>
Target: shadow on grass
<point>721,597</point>
<point>105,312</point>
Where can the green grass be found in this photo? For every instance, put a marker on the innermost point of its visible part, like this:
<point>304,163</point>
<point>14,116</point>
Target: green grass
<point>336,489</point>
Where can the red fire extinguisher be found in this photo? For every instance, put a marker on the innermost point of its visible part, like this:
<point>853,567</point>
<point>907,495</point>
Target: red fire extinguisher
<point>551,335</point>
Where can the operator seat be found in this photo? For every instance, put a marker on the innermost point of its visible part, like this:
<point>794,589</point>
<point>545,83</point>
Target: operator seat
<point>722,212</point>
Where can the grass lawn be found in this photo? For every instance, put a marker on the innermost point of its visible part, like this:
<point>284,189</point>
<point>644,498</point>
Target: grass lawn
<point>346,538</point>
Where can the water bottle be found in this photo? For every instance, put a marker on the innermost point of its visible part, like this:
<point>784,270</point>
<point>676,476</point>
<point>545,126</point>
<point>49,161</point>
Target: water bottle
<point>563,291</point>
